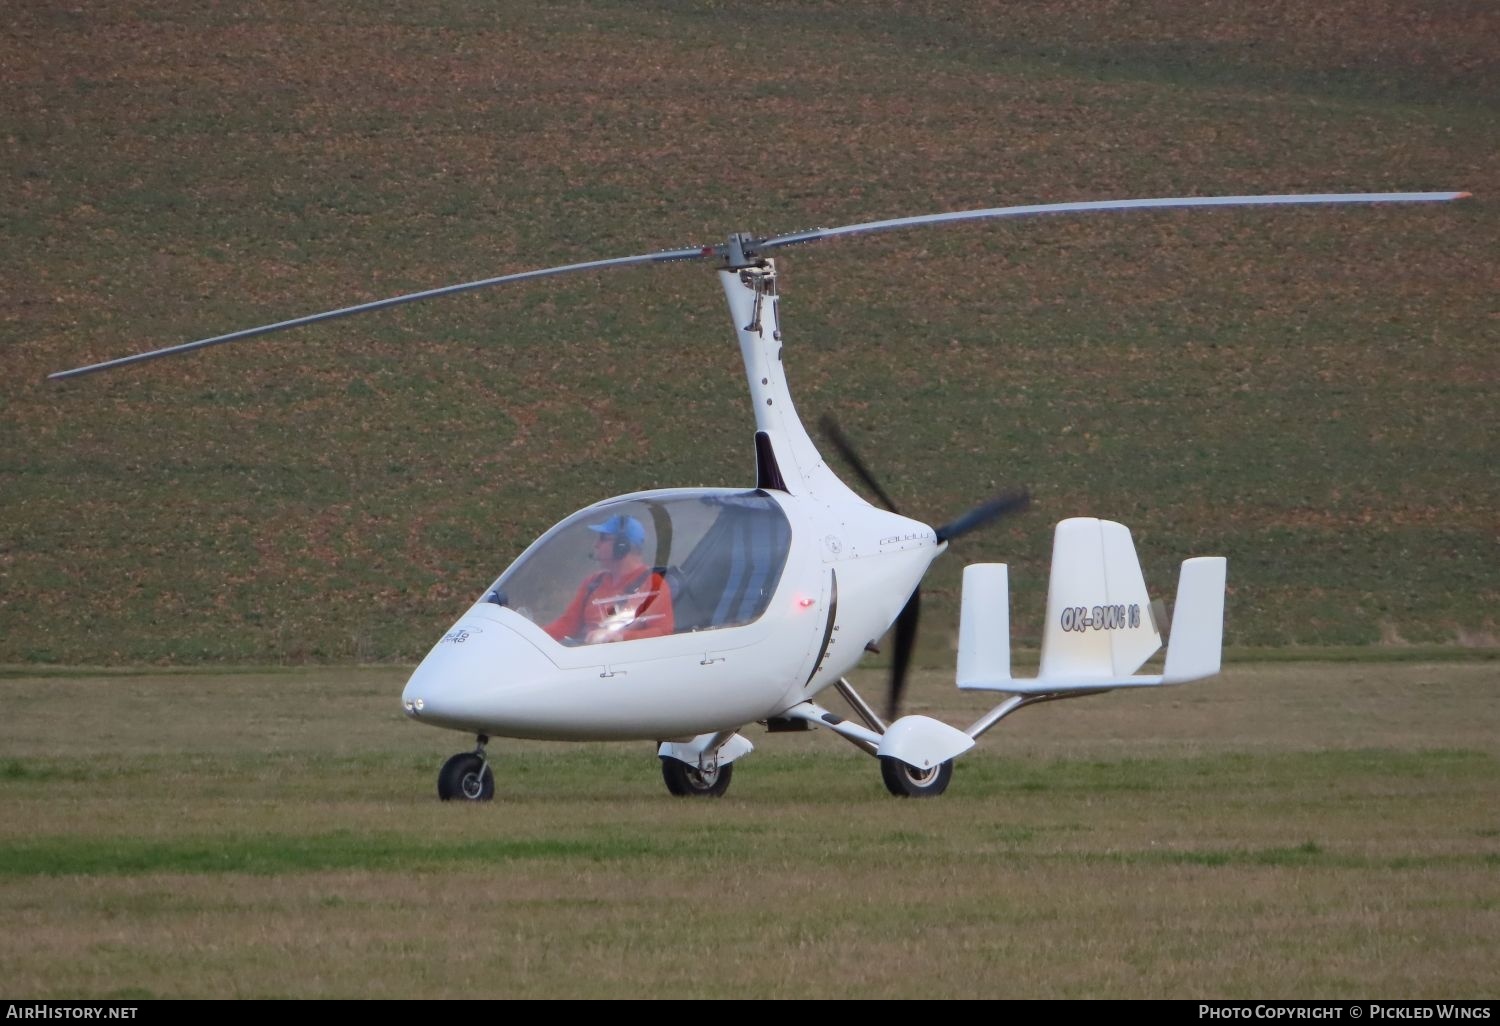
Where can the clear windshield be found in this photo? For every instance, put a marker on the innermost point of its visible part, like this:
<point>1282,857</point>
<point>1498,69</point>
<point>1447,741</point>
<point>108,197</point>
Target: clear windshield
<point>648,566</point>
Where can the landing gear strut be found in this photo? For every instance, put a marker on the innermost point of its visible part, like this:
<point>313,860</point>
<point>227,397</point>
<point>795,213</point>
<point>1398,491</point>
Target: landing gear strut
<point>467,776</point>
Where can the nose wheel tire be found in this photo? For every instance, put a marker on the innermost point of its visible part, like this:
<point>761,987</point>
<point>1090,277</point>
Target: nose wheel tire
<point>686,781</point>
<point>906,781</point>
<point>466,777</point>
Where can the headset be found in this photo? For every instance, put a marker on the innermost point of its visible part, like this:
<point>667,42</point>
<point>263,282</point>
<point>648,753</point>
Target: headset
<point>625,533</point>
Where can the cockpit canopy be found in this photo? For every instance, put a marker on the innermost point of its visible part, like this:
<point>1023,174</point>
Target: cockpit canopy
<point>712,559</point>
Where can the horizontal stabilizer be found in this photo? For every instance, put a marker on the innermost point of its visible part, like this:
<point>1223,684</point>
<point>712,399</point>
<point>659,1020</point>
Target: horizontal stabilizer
<point>1100,626</point>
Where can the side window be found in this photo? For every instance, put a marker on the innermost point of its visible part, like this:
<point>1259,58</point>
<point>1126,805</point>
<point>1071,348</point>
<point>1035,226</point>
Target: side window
<point>730,575</point>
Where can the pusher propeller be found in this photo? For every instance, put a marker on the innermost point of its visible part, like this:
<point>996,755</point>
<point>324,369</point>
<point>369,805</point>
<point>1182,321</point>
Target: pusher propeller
<point>905,628</point>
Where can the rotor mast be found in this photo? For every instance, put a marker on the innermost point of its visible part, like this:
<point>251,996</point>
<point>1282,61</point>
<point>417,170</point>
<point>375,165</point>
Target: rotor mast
<point>786,458</point>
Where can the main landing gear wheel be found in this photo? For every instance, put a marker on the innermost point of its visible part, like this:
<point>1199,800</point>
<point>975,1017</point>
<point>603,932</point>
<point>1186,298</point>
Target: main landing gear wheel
<point>690,782</point>
<point>466,777</point>
<point>905,781</point>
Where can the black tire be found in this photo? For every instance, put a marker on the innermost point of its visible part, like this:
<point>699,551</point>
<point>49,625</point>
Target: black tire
<point>686,781</point>
<point>466,777</point>
<point>905,781</point>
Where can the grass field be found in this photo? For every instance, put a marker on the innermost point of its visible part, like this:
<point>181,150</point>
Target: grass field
<point>1287,830</point>
<point>1310,393</point>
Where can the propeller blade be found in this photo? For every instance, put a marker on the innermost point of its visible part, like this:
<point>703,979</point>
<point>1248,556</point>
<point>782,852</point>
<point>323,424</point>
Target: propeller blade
<point>868,227</point>
<point>846,449</point>
<point>698,252</point>
<point>999,506</point>
<point>906,643</point>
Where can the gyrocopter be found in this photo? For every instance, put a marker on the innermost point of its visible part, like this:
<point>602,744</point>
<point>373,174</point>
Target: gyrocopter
<point>681,616</point>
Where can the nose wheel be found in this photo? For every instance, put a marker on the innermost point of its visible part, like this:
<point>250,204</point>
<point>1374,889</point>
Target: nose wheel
<point>467,776</point>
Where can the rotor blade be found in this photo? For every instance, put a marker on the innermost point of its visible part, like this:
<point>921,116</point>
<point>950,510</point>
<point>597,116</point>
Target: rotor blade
<point>380,304</point>
<point>999,506</point>
<point>773,242</point>
<point>846,450</point>
<point>906,642</point>
<point>817,234</point>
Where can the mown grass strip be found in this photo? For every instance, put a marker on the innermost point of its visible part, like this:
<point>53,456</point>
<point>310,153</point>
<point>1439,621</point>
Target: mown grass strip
<point>268,856</point>
<point>1309,855</point>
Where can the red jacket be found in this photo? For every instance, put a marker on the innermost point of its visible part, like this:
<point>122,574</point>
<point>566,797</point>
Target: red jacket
<point>635,604</point>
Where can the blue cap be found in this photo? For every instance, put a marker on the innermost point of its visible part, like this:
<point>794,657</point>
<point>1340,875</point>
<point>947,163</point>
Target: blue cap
<point>627,527</point>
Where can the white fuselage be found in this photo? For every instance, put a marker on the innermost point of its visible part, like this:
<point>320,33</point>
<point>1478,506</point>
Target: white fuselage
<point>848,573</point>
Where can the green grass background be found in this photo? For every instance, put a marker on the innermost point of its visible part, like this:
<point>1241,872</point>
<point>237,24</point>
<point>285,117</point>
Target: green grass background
<point>1308,392</point>
<point>1286,830</point>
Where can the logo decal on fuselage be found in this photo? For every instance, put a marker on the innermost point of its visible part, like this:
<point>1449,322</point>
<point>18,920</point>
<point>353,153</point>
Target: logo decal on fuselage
<point>909,537</point>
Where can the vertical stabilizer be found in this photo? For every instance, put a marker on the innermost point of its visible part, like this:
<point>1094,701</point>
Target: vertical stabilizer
<point>1197,621</point>
<point>984,626</point>
<point>1099,623</point>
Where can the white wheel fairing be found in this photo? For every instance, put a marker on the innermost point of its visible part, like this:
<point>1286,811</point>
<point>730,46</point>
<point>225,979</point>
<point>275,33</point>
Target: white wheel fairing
<point>922,742</point>
<point>689,752</point>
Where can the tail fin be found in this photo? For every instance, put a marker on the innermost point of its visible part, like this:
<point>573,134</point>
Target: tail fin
<point>1098,613</point>
<point>1100,628</point>
<point>1197,645</point>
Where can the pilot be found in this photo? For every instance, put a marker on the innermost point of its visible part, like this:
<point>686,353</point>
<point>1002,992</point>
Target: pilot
<point>624,600</point>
